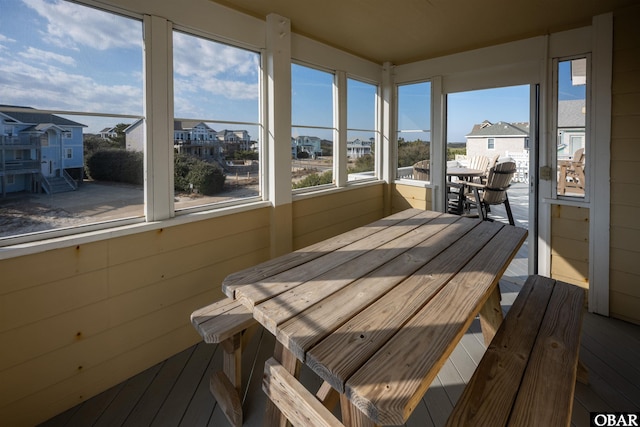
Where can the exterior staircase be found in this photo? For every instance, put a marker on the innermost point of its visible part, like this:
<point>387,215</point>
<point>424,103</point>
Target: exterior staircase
<point>58,184</point>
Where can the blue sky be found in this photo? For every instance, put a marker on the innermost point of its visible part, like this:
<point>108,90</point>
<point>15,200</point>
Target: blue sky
<point>57,55</point>
<point>61,56</point>
<point>508,104</point>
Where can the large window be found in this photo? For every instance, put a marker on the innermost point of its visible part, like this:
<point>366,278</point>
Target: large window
<point>361,129</point>
<point>216,135</point>
<point>312,131</point>
<point>571,124</point>
<point>71,79</point>
<point>414,131</point>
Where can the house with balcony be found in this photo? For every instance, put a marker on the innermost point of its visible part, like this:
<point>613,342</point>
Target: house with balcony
<point>359,148</point>
<point>234,140</point>
<point>38,151</point>
<point>311,145</point>
<point>195,139</point>
<point>98,319</point>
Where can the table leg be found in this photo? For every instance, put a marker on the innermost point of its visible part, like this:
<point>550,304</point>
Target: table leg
<point>226,385</point>
<point>491,315</point>
<point>461,199</point>
<point>272,415</point>
<point>328,396</point>
<point>352,416</point>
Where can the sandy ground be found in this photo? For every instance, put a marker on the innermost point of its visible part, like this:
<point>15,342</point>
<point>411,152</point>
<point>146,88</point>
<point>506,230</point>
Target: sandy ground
<point>92,202</point>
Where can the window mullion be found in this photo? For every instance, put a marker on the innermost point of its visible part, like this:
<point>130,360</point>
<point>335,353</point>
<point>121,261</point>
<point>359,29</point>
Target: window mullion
<point>158,164</point>
<point>340,128</point>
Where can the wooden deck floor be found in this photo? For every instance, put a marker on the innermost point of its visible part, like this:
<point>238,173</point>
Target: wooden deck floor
<point>176,392</point>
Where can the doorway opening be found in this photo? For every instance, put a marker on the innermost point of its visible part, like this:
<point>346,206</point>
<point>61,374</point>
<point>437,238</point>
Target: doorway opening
<point>494,124</point>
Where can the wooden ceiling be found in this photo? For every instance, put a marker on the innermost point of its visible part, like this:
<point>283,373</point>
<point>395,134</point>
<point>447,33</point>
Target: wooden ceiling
<point>403,31</point>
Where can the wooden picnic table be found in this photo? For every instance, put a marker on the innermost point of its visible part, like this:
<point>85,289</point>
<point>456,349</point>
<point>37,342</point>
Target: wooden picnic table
<point>376,311</point>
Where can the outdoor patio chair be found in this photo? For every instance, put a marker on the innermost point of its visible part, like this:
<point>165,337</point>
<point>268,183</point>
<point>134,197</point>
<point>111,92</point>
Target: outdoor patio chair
<point>571,174</point>
<point>421,170</point>
<point>494,191</point>
<point>482,163</point>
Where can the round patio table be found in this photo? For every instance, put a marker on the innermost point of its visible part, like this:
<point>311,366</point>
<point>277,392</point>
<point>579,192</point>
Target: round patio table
<point>464,175</point>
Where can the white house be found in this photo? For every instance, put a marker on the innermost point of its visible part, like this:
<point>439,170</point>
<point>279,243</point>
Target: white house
<point>196,139</point>
<point>234,140</point>
<point>491,139</point>
<point>134,136</point>
<point>359,148</point>
<point>109,132</point>
<point>571,127</point>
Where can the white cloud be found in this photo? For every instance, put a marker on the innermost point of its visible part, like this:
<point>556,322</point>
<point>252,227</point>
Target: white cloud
<point>4,38</point>
<point>44,56</point>
<point>52,88</point>
<point>71,25</point>
<point>203,65</point>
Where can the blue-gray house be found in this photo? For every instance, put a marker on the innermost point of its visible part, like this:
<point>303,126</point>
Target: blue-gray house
<point>38,151</point>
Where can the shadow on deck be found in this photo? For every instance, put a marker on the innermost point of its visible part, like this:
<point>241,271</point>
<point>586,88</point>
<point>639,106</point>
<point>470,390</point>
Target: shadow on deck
<point>176,391</point>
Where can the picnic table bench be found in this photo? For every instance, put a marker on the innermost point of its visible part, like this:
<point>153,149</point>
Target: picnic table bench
<point>527,375</point>
<point>224,322</point>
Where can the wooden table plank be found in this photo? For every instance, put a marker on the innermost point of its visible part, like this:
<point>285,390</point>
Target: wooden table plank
<point>254,293</point>
<point>309,253</point>
<point>350,346</point>
<point>279,309</point>
<point>312,325</point>
<point>393,380</point>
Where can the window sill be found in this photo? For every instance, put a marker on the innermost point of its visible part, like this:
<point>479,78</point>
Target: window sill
<point>314,192</point>
<point>128,227</point>
<point>414,183</point>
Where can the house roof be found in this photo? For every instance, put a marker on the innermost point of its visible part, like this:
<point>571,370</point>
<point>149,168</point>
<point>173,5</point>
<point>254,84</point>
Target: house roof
<point>487,128</point>
<point>187,124</point>
<point>36,118</point>
<point>571,113</point>
<point>43,127</point>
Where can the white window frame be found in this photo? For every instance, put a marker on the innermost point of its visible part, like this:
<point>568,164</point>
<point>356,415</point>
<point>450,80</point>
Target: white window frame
<point>338,127</point>
<point>572,200</point>
<point>431,131</point>
<point>245,32</point>
<point>376,131</point>
<point>201,134</point>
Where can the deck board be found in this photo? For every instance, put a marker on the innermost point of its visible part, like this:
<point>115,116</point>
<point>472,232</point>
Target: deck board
<point>612,383</point>
<point>125,401</point>
<point>151,402</point>
<point>175,392</point>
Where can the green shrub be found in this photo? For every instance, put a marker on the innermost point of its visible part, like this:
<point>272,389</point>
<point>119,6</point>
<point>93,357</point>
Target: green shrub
<point>315,179</point>
<point>206,178</point>
<point>363,164</point>
<point>115,165</point>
